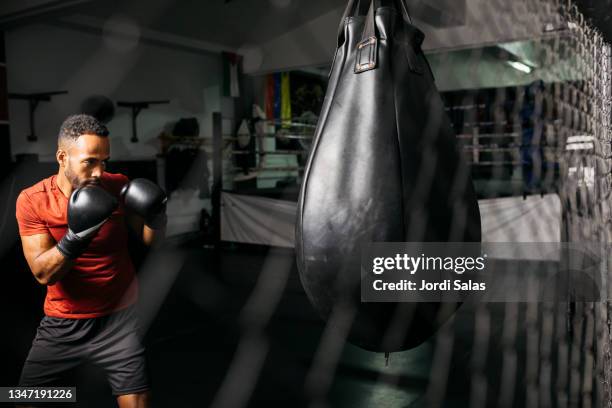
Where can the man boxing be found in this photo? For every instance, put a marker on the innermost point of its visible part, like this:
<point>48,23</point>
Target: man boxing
<point>74,232</point>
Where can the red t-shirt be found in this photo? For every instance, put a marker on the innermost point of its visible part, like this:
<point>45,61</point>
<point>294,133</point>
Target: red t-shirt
<point>102,279</point>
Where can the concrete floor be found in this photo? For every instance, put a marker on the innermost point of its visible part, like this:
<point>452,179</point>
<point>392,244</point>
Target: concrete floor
<point>212,341</point>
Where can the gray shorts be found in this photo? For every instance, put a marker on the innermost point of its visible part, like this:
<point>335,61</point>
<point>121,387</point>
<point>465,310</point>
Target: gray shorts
<point>110,342</point>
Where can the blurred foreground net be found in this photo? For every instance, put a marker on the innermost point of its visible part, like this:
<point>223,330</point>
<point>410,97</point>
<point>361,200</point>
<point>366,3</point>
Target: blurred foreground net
<point>549,135</point>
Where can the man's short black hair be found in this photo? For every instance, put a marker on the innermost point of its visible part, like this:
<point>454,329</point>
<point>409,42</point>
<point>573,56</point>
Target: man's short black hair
<point>77,125</point>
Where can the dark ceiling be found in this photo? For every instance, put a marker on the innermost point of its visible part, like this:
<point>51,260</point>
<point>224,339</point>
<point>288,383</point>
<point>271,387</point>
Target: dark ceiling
<point>230,24</point>
<point>239,22</point>
<point>234,22</point>
<point>599,12</point>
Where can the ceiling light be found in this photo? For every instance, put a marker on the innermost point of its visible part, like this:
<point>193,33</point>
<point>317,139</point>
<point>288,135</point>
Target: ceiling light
<point>520,66</point>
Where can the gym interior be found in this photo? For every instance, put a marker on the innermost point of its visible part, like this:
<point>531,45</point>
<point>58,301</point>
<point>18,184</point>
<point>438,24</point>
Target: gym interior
<point>235,107</point>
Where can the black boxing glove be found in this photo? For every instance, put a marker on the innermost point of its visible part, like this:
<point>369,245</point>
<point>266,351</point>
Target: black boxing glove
<point>146,199</point>
<point>88,209</point>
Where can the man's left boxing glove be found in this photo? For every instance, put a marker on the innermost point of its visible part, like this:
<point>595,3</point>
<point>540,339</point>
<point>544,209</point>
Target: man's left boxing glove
<point>146,199</point>
<point>88,209</point>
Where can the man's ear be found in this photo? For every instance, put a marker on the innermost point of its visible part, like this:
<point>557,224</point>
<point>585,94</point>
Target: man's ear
<point>60,155</point>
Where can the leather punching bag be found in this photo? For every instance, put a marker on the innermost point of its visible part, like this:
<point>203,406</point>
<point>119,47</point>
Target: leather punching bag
<point>385,167</point>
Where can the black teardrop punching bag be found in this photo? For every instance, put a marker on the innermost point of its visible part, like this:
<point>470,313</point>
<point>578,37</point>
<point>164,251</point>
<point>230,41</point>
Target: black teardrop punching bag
<point>385,167</point>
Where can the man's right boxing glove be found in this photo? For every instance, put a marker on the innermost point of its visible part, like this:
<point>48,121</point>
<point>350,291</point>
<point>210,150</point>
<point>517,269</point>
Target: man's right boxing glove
<point>88,209</point>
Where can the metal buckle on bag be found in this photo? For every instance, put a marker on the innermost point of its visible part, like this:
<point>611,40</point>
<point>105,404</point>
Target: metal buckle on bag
<point>367,51</point>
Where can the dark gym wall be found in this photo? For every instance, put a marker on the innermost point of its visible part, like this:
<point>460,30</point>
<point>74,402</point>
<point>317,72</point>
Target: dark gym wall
<point>95,65</point>
<point>5,139</point>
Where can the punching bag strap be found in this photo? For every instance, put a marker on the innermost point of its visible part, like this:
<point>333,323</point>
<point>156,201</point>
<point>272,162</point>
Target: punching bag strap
<point>347,12</point>
<point>404,10</point>
<point>367,48</point>
<point>351,8</point>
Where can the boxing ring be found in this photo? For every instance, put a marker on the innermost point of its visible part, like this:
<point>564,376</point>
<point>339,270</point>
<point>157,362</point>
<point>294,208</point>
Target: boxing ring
<point>266,221</point>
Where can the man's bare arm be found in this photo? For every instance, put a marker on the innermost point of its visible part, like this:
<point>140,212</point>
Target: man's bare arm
<point>134,223</point>
<point>148,235</point>
<point>152,237</point>
<point>47,263</point>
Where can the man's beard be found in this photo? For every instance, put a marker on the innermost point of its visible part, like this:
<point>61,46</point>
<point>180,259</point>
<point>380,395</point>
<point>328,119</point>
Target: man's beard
<point>75,182</point>
<point>72,178</point>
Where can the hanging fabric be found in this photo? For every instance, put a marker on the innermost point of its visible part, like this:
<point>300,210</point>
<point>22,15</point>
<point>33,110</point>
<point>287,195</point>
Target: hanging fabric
<point>277,96</point>
<point>231,74</point>
<point>285,99</point>
<point>269,93</point>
